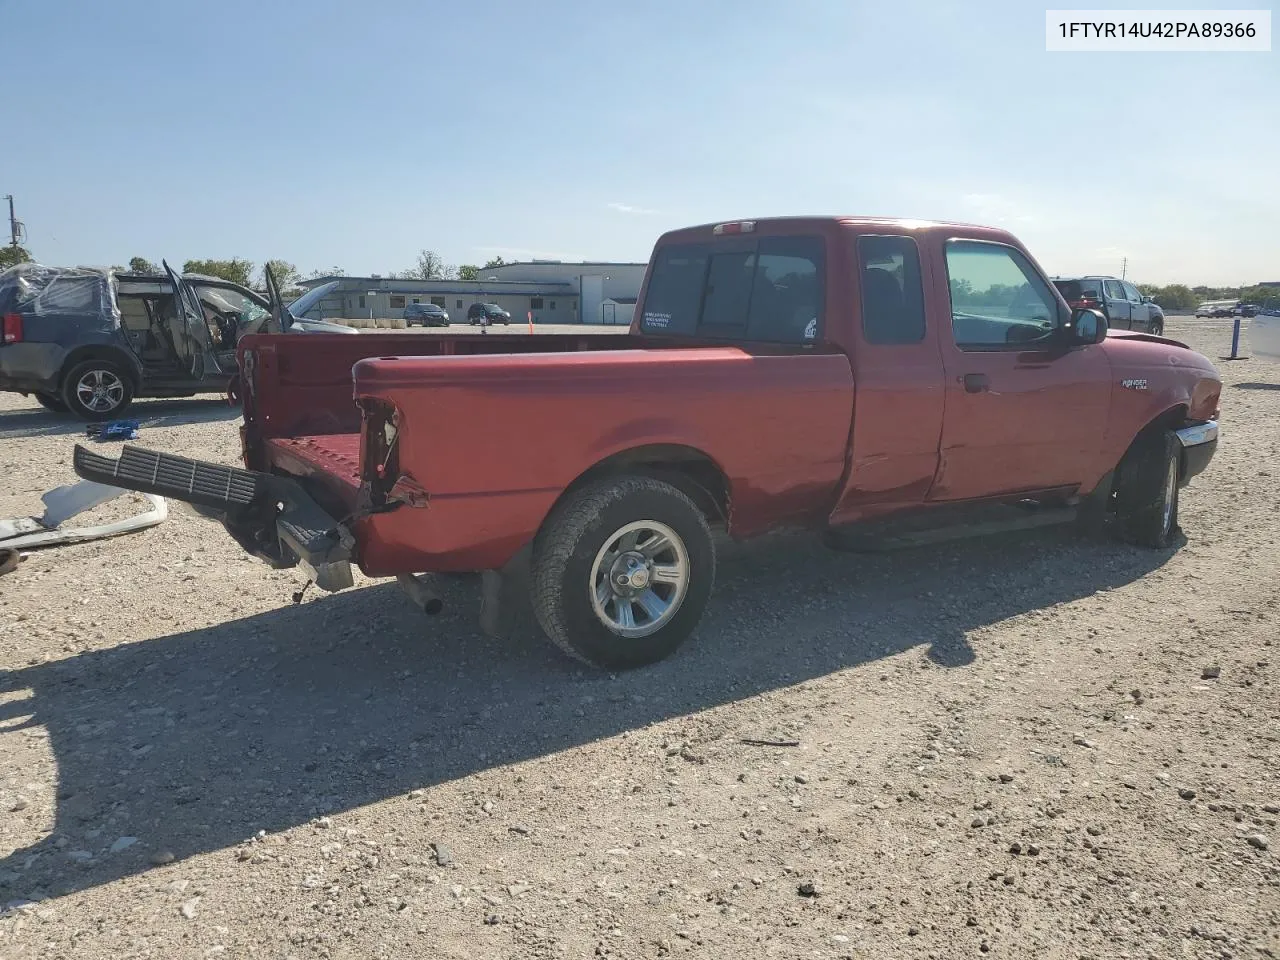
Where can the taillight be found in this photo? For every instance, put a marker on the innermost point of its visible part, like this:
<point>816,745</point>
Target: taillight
<point>742,226</point>
<point>12,327</point>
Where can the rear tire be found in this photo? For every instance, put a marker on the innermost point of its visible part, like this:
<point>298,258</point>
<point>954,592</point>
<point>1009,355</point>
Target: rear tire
<point>97,390</point>
<point>51,401</point>
<point>635,531</point>
<point>1147,492</point>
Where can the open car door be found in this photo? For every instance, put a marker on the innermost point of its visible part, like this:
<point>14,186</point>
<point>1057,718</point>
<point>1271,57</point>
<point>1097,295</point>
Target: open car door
<point>188,329</point>
<point>281,318</point>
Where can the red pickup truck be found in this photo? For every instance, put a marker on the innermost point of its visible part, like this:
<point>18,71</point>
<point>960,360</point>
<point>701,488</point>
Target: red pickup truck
<point>843,374</point>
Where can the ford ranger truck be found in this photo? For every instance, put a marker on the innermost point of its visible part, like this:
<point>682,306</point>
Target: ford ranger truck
<point>841,373</point>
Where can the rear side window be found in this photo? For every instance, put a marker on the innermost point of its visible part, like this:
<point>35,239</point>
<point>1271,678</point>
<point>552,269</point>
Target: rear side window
<point>892,294</point>
<point>770,290</point>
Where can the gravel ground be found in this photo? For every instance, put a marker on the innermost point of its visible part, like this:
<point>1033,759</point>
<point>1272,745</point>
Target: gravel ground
<point>1026,746</point>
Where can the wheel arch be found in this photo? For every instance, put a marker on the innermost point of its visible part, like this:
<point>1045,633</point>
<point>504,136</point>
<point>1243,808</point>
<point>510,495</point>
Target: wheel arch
<point>98,351</point>
<point>692,471</point>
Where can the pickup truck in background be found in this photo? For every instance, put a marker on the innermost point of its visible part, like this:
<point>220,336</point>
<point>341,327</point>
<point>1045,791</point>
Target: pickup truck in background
<point>842,374</point>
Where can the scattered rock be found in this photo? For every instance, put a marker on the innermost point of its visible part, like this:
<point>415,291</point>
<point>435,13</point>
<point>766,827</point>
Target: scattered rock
<point>1256,840</point>
<point>1093,830</point>
<point>444,856</point>
<point>809,889</point>
<point>1211,672</point>
<point>801,779</point>
<point>1015,848</point>
<point>516,889</point>
<point>1033,850</point>
<point>1271,808</point>
<point>19,804</point>
<point>80,856</point>
<point>161,857</point>
<point>913,931</point>
<point>124,843</point>
<point>1083,742</point>
<point>189,907</point>
<point>492,920</point>
<point>1187,794</point>
<point>1006,778</point>
<point>977,823</point>
<point>523,831</point>
<point>487,806</point>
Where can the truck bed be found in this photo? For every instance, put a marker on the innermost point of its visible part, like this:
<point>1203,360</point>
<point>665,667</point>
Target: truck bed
<point>331,460</point>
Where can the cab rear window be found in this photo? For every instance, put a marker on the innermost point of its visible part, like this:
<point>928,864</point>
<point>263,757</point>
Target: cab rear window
<point>769,290</point>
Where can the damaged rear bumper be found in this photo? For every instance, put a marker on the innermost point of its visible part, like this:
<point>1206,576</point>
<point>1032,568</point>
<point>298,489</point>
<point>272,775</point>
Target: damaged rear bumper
<point>272,517</point>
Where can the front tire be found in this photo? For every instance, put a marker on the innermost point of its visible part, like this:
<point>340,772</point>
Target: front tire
<point>622,571</point>
<point>1147,494</point>
<point>97,390</point>
<point>1157,328</point>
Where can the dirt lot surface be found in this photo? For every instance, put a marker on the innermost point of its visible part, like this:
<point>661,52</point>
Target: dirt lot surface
<point>1031,746</point>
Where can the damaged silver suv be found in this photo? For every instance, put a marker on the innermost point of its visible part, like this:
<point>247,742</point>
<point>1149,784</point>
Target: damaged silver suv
<point>88,341</point>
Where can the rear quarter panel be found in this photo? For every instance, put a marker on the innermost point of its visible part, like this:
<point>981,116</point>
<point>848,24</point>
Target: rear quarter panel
<point>495,441</point>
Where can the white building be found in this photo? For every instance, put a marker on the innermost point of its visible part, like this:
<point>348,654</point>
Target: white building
<point>607,291</point>
<point>550,291</point>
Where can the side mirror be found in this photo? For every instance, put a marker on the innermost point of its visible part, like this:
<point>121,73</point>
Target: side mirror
<point>1147,300</point>
<point>1088,326</point>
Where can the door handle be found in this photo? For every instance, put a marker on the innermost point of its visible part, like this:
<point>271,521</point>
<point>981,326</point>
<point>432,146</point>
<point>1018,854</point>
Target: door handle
<point>975,382</point>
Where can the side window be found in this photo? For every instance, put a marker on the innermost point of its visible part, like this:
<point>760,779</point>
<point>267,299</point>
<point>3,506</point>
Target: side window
<point>1132,292</point>
<point>397,302</point>
<point>787,294</point>
<point>892,295</point>
<point>1113,290</point>
<point>458,307</point>
<point>439,302</point>
<point>997,299</point>
<point>535,303</point>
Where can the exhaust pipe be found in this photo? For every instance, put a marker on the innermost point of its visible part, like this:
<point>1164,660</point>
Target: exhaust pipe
<point>423,596</point>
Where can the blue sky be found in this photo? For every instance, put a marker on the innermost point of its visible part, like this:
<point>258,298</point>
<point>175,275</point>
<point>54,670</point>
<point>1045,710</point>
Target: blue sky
<point>355,134</point>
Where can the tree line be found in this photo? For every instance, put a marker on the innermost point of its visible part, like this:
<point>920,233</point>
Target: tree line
<point>428,266</point>
<point>1177,296</point>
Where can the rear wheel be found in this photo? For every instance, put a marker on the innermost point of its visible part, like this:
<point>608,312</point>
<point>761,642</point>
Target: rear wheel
<point>622,572</point>
<point>97,390</point>
<point>51,401</point>
<point>1147,492</point>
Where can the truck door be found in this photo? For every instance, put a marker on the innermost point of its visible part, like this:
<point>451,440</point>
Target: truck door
<point>1024,411</point>
<point>1119,309</point>
<point>898,382</point>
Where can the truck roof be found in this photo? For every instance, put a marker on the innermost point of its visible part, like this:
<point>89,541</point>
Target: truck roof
<point>819,222</point>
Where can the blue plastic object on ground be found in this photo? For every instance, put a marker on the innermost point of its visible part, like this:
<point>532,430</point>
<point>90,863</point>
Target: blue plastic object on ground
<point>115,430</point>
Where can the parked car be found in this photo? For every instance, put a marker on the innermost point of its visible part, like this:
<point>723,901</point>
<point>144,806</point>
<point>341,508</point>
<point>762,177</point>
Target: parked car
<point>784,372</point>
<point>425,315</point>
<point>1245,310</point>
<point>1124,306</point>
<point>478,312</point>
<point>89,341</point>
<point>1216,308</point>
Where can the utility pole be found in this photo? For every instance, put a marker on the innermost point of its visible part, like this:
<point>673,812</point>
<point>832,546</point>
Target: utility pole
<point>1124,266</point>
<point>17,231</point>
